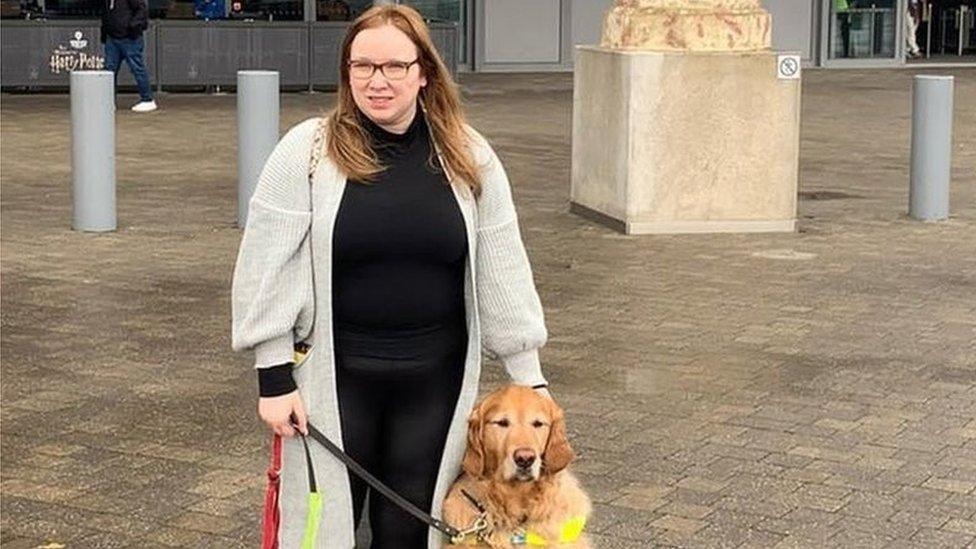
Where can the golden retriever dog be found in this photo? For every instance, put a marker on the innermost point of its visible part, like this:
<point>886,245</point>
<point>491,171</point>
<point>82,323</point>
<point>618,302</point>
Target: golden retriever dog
<point>515,475</point>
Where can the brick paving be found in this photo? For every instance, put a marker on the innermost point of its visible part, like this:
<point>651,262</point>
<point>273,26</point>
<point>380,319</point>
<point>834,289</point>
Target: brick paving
<point>815,389</point>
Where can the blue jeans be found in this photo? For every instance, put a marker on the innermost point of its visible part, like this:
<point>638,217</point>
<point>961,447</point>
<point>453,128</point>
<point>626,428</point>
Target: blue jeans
<point>130,51</point>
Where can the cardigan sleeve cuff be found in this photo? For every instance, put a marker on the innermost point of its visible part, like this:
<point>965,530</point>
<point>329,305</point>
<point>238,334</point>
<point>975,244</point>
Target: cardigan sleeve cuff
<point>274,352</point>
<point>276,380</point>
<point>524,368</point>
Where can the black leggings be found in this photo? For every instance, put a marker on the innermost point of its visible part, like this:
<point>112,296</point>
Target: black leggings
<point>395,417</point>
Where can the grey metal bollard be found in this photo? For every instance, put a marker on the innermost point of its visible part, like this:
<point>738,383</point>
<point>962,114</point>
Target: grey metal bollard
<point>928,194</point>
<point>93,150</point>
<point>257,131</point>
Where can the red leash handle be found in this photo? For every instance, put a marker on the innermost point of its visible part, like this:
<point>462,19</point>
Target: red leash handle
<point>272,515</point>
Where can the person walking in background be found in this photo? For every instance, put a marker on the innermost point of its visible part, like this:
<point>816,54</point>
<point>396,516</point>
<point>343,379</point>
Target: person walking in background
<point>843,15</point>
<point>913,15</point>
<point>123,22</point>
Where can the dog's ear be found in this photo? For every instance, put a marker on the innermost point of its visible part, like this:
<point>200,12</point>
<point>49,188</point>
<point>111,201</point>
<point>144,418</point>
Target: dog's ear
<point>558,453</point>
<point>474,457</point>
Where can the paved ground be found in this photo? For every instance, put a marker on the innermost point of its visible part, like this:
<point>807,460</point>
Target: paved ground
<point>812,389</point>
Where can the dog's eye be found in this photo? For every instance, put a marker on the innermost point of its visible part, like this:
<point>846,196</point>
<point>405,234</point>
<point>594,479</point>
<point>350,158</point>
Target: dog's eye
<point>538,424</point>
<point>502,423</point>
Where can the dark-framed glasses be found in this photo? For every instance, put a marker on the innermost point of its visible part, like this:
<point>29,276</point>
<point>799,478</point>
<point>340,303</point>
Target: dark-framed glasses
<point>392,70</point>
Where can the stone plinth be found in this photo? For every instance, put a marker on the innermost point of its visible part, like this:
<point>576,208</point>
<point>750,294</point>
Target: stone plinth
<point>684,142</point>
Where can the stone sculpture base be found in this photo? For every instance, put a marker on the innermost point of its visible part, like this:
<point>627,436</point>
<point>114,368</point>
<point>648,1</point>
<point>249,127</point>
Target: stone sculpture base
<point>684,142</point>
<point>675,26</point>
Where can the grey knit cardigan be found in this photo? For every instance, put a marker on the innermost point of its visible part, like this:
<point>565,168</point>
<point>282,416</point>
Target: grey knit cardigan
<point>273,307</point>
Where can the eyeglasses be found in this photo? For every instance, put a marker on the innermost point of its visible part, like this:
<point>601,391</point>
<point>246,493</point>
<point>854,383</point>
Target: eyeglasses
<point>392,70</point>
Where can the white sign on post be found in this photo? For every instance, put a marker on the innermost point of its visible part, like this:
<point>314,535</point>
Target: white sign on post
<point>788,67</point>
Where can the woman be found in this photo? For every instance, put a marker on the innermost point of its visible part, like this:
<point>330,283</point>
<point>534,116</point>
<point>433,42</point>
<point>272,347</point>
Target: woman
<point>418,268</point>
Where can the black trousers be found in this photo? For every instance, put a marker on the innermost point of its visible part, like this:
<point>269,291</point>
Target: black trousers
<point>395,415</point>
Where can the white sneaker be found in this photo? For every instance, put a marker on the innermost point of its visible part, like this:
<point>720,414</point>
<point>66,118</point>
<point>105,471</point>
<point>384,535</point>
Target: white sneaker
<point>145,106</point>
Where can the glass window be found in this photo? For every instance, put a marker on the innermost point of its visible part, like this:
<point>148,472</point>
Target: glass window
<point>10,9</point>
<point>862,29</point>
<point>158,9</point>
<point>86,9</point>
<point>267,10</point>
<point>204,10</point>
<point>445,11</point>
<point>20,9</point>
<point>340,10</point>
<point>437,10</point>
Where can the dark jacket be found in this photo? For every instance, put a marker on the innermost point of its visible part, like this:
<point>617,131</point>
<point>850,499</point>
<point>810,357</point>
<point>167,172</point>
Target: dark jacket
<point>124,18</point>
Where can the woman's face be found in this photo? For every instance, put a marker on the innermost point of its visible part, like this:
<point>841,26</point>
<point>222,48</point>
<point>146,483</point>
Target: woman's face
<point>389,100</point>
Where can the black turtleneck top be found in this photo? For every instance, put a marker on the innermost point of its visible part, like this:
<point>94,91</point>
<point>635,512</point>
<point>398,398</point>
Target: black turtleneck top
<point>398,254</point>
<point>399,247</point>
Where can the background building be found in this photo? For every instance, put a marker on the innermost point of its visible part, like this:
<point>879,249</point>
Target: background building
<point>513,35</point>
<point>194,43</point>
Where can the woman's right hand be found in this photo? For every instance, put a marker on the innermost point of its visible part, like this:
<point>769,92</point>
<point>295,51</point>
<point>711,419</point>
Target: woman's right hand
<point>279,411</point>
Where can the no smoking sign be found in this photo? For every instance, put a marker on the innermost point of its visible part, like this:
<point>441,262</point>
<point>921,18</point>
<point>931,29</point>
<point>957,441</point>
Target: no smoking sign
<point>788,67</point>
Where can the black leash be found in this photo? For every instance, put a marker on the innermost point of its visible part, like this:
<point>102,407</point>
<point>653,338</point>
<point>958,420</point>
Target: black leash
<point>377,485</point>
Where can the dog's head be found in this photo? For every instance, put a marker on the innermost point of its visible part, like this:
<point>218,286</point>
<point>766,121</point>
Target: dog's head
<point>516,435</point>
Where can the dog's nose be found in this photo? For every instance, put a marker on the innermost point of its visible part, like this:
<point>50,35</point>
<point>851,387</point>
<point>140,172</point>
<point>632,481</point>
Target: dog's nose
<point>524,457</point>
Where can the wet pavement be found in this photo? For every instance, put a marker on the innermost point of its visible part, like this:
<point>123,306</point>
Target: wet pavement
<point>814,389</point>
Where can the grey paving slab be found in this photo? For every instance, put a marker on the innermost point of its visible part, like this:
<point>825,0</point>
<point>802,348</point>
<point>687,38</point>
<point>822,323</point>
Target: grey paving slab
<point>722,390</point>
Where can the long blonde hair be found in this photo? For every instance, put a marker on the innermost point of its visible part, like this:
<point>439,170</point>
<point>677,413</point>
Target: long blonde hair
<point>348,143</point>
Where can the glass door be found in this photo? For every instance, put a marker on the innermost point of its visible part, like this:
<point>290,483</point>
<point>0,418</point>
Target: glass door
<point>863,33</point>
<point>944,32</point>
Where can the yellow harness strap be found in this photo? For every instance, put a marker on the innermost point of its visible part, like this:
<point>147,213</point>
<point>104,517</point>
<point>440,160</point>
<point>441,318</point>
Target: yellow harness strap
<point>570,531</point>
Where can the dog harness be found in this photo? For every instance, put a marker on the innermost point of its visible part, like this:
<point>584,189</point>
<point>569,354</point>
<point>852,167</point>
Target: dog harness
<point>569,532</point>
<point>479,531</point>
